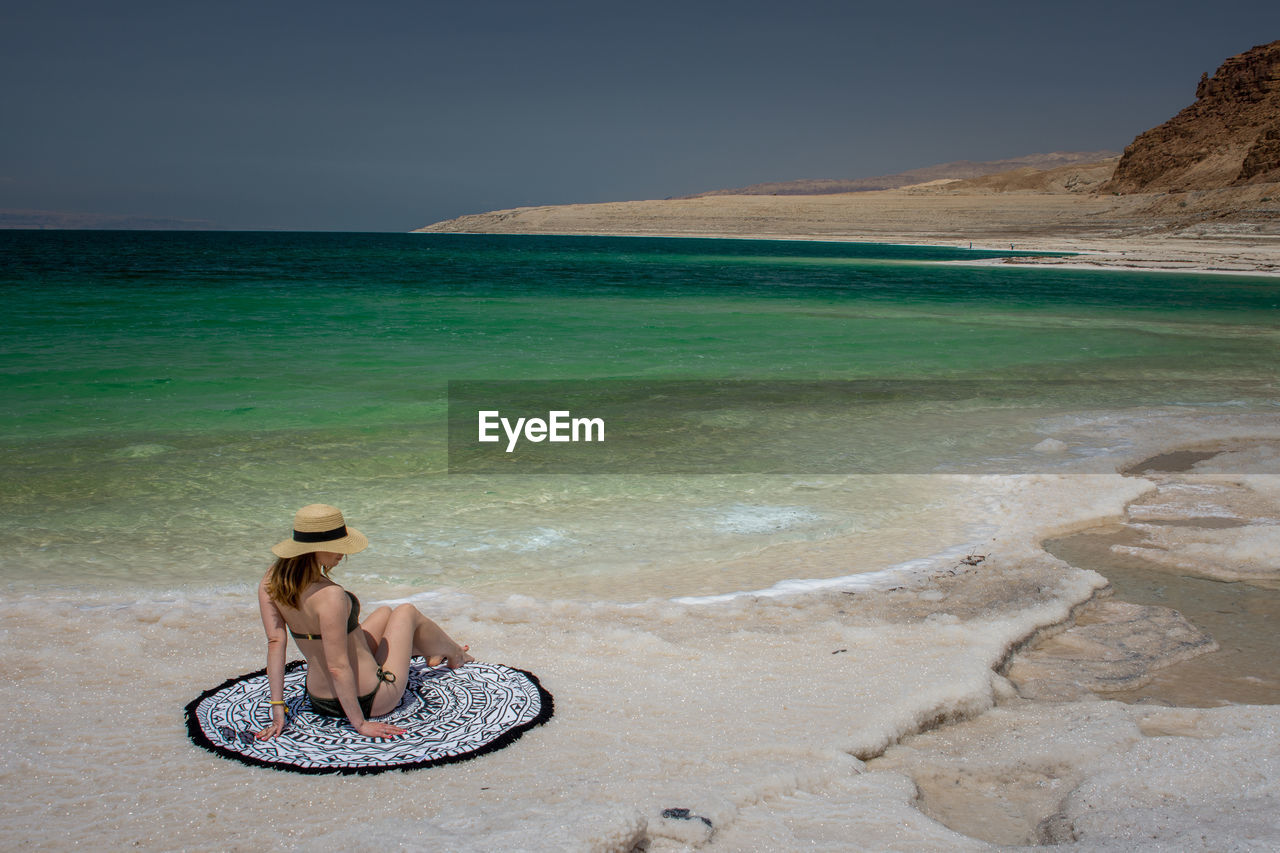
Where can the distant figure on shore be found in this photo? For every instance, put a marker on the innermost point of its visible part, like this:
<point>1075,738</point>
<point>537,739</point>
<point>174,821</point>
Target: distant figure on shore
<point>355,669</point>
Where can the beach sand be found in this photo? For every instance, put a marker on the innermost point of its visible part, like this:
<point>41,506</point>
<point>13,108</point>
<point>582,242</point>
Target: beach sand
<point>785,720</point>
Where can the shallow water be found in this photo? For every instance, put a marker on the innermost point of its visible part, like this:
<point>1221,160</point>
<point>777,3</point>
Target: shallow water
<point>172,398</point>
<point>1241,618</point>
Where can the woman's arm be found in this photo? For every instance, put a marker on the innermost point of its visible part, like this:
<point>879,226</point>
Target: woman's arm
<point>277,642</point>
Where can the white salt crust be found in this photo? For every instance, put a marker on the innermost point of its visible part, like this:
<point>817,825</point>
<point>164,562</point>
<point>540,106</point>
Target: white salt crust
<point>756,712</point>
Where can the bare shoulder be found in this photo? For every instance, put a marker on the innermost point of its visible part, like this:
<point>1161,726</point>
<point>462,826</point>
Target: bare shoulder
<point>322,596</point>
<point>264,590</point>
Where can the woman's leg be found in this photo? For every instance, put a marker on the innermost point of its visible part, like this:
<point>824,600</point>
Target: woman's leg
<point>430,641</point>
<point>375,626</point>
<point>375,631</point>
<point>407,633</point>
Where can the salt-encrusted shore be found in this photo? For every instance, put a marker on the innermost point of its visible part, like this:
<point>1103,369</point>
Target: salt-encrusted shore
<point>1235,230</point>
<point>757,723</point>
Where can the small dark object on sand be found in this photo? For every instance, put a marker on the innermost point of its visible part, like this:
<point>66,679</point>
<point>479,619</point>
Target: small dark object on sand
<point>684,814</point>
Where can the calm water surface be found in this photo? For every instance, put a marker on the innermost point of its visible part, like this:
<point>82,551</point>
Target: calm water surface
<point>171,398</point>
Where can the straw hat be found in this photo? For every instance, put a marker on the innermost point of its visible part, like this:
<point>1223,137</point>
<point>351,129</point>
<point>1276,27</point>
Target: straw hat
<point>320,527</point>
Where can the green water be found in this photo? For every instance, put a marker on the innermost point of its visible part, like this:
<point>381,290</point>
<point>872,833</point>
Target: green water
<point>195,386</point>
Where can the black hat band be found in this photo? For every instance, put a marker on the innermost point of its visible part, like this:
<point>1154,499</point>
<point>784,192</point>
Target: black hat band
<point>322,536</point>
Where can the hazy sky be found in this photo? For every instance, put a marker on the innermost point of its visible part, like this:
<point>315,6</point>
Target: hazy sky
<point>389,115</point>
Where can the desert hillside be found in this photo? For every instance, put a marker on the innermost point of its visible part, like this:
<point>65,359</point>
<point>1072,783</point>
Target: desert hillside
<point>1229,136</point>
<point>1200,191</point>
<point>955,170</point>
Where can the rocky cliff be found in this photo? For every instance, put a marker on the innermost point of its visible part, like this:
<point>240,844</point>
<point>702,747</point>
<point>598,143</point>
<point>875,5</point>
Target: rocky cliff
<point>1230,136</point>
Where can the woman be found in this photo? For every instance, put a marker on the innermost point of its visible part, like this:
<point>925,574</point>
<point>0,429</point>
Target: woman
<point>355,669</point>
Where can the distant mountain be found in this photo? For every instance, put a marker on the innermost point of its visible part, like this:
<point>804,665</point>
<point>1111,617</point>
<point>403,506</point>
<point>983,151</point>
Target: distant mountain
<point>957,170</point>
<point>1230,136</point>
<point>51,219</point>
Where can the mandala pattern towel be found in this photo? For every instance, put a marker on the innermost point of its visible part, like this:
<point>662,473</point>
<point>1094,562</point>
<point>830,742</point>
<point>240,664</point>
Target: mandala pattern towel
<point>451,715</point>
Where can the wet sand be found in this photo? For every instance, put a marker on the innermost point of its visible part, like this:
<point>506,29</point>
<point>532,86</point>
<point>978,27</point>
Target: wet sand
<point>1205,498</point>
<point>1240,617</point>
<point>1054,763</point>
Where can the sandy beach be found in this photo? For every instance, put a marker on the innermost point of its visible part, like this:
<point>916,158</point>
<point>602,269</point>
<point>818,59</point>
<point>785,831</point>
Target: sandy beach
<point>787,721</point>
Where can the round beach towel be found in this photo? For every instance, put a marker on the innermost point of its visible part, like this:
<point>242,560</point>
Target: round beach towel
<point>451,715</point>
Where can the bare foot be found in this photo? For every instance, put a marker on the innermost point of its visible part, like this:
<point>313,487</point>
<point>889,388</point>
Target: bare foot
<point>459,657</point>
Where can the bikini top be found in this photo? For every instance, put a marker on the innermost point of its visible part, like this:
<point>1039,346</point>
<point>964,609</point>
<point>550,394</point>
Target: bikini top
<point>353,619</point>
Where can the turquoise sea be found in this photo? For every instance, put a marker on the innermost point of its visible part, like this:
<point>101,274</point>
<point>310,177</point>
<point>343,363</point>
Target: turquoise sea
<point>171,398</point>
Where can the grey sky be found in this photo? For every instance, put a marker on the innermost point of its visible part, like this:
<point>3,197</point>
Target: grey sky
<point>389,115</point>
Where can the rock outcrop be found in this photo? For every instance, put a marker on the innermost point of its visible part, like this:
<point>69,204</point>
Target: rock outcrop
<point>1230,136</point>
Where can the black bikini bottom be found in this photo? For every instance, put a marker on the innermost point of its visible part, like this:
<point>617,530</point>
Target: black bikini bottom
<point>333,708</point>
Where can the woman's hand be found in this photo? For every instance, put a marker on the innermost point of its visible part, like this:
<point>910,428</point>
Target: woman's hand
<point>371,729</point>
<point>277,724</point>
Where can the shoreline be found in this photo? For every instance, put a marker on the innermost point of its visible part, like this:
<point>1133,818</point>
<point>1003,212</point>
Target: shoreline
<point>1232,231</point>
<point>1239,260</point>
<point>883,689</point>
<point>1113,711</point>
